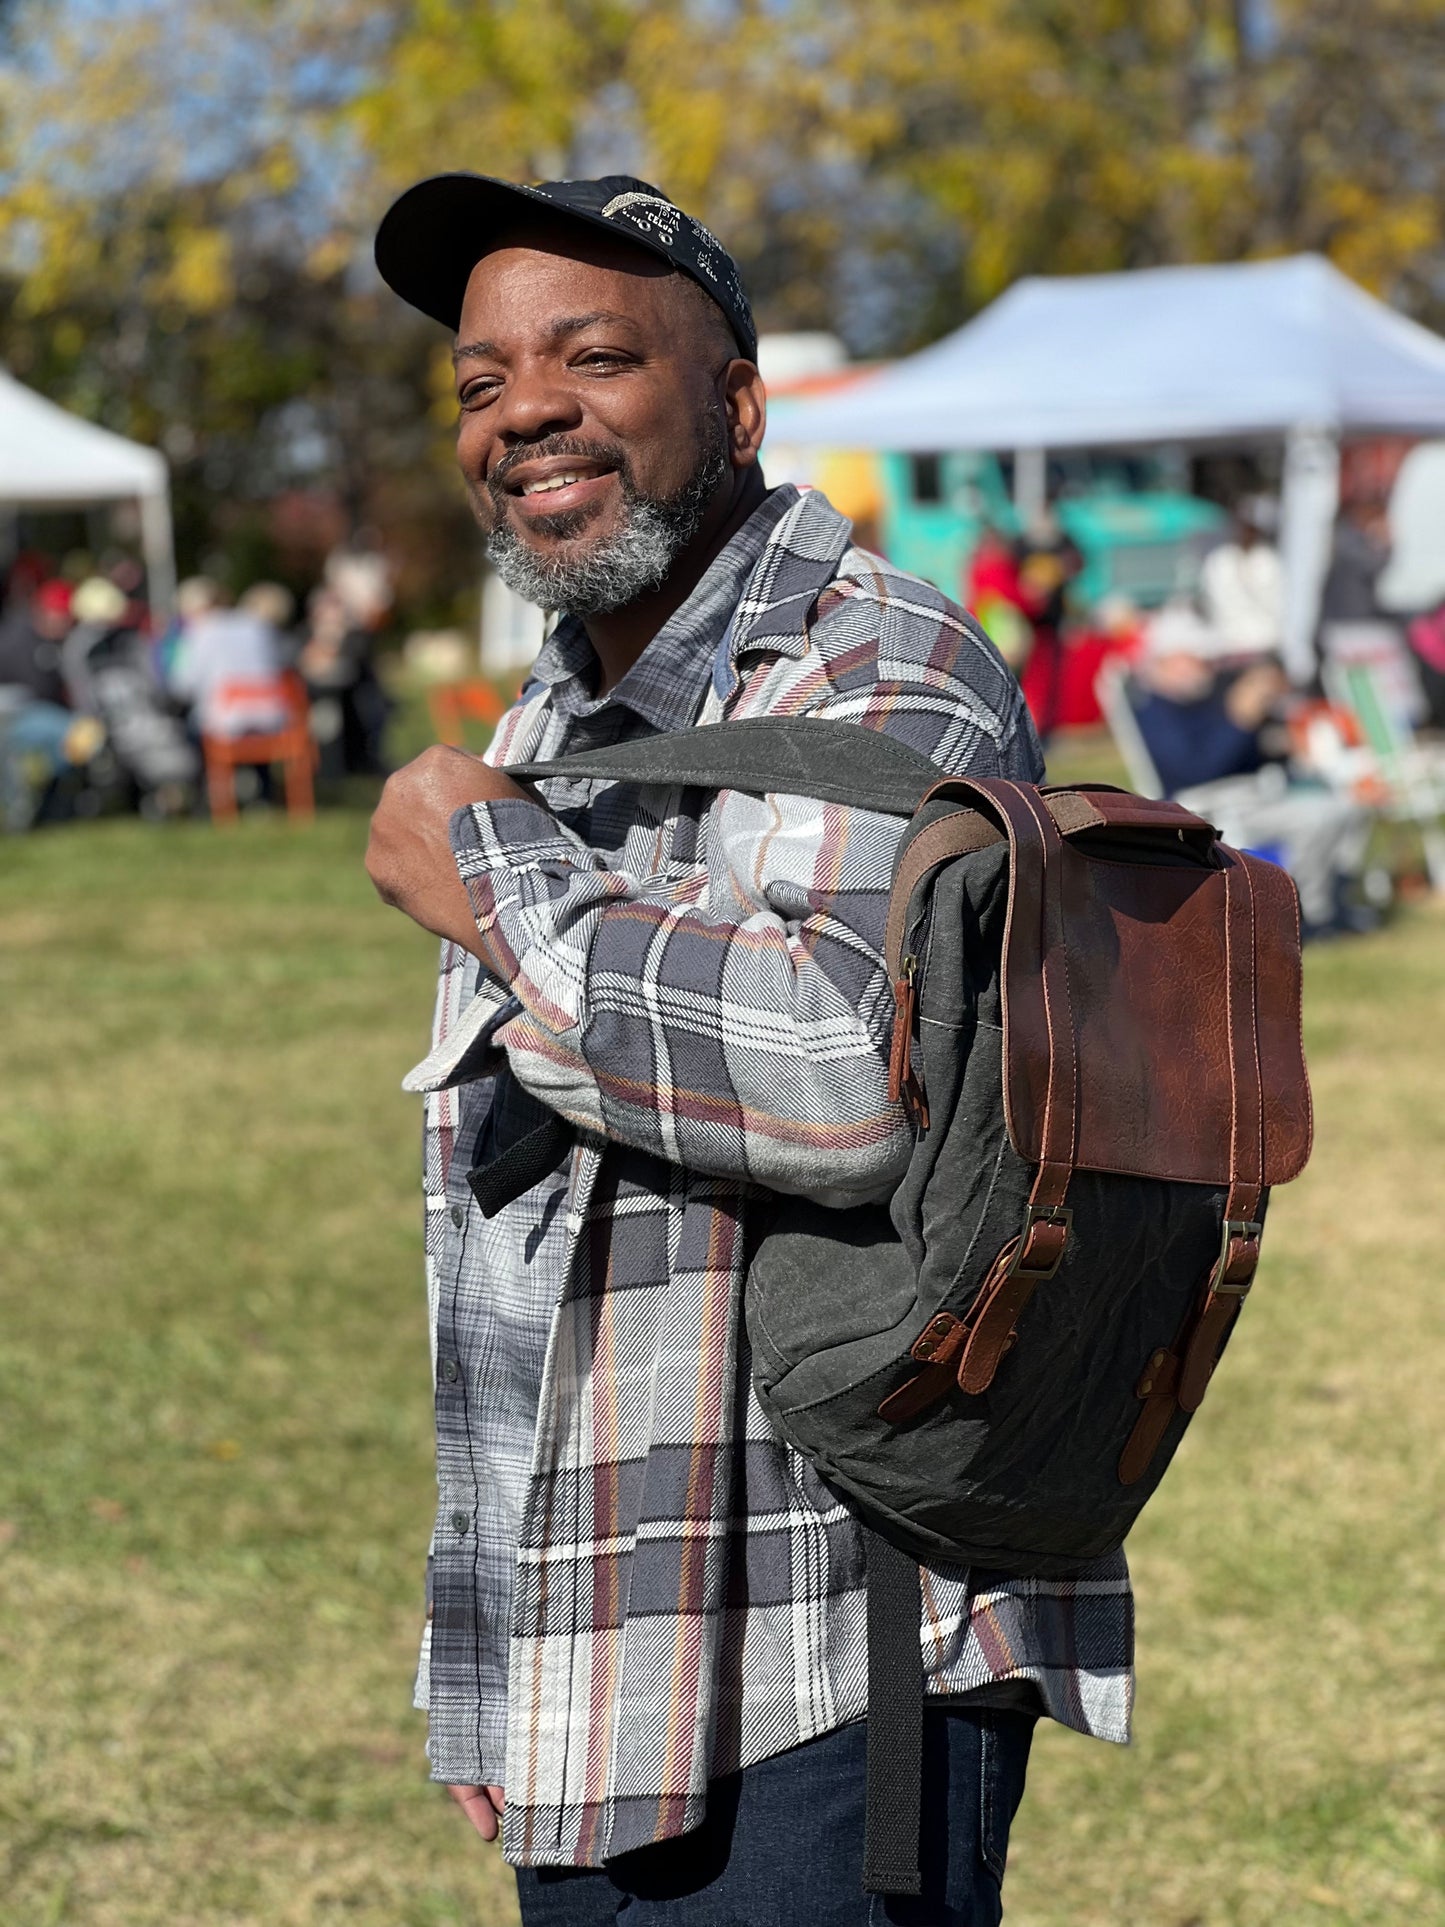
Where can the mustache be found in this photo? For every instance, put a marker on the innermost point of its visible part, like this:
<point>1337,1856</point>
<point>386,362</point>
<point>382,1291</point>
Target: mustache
<point>608,454</point>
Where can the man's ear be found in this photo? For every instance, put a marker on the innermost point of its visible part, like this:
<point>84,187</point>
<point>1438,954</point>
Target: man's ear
<point>746,401</point>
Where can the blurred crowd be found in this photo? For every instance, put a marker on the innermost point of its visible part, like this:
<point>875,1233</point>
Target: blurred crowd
<point>102,711</point>
<point>1202,710</point>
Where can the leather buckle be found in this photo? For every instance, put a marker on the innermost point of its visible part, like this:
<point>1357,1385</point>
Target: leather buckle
<point>1244,1229</point>
<point>1060,1216</point>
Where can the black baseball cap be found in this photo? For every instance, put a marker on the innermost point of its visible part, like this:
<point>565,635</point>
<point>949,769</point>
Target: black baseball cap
<point>434,235</point>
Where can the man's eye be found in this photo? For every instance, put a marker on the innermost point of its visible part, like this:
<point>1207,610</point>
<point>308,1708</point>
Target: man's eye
<point>476,393</point>
<point>602,358</point>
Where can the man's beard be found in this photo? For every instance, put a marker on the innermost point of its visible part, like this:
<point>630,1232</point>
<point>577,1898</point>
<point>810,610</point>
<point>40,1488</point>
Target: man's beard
<point>635,558</point>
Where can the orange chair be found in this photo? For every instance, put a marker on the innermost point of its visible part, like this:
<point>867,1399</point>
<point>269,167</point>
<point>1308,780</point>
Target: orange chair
<point>291,746</point>
<point>455,704</point>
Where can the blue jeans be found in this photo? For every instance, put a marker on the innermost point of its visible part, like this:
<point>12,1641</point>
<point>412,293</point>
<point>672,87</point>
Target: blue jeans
<point>32,754</point>
<point>782,1842</point>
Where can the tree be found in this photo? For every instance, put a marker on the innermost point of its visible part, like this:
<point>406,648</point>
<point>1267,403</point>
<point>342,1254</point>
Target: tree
<point>180,223</point>
<point>189,187</point>
<point>898,162</point>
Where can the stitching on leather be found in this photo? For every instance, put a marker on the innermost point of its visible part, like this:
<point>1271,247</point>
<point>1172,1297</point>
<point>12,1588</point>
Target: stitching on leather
<point>1258,1178</point>
<point>1034,808</point>
<point>1230,877</point>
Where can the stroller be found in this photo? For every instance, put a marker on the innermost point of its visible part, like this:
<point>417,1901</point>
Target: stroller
<point>149,761</point>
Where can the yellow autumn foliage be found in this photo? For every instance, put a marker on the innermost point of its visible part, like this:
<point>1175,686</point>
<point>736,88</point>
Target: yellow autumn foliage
<point>968,141</point>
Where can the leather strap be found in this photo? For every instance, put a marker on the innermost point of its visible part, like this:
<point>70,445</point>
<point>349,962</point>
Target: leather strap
<point>1081,808</point>
<point>936,1348</point>
<point>951,836</point>
<point>1239,1247</point>
<point>893,1813</point>
<point>1001,1298</point>
<point>1157,1387</point>
<point>1043,1241</point>
<point>1177,1379</point>
<point>1035,928</point>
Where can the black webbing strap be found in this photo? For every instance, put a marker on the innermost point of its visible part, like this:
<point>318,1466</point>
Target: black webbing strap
<point>786,755</point>
<point>893,1816</point>
<point>503,1179</point>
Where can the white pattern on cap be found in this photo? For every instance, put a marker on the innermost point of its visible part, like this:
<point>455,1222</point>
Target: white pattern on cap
<point>664,217</point>
<point>662,214</point>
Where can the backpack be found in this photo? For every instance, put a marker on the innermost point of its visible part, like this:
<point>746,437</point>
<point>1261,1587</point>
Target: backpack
<point>1098,1037</point>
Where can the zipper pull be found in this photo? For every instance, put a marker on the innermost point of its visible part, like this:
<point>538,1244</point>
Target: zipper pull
<point>902,1084</point>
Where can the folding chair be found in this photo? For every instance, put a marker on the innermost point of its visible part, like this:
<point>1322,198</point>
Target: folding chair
<point>455,704</point>
<point>292,746</point>
<point>1237,805</point>
<point>1413,781</point>
<point>1111,686</point>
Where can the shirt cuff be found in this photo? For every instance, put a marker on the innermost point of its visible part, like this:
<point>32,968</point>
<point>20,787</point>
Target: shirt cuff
<point>523,872</point>
<point>470,1050</point>
<point>514,834</point>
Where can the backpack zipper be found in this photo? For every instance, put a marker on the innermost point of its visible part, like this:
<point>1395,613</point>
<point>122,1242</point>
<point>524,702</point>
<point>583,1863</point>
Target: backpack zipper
<point>903,1084</point>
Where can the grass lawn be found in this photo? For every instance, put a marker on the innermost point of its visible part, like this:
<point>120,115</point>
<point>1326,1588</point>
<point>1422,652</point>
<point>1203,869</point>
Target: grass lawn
<point>215,1478</point>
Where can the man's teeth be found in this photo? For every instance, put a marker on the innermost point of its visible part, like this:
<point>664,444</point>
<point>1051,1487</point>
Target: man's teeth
<point>552,481</point>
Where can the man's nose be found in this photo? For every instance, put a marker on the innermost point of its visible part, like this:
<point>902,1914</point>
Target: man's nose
<point>536,403</point>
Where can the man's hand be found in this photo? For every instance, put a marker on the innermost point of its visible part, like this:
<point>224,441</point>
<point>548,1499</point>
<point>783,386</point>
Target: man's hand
<point>1254,694</point>
<point>409,856</point>
<point>483,1806</point>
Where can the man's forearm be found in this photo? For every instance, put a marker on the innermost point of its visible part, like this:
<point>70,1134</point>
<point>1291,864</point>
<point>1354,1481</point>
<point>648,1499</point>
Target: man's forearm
<point>749,1040</point>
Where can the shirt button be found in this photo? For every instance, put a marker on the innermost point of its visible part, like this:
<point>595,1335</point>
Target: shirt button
<point>461,1522</point>
<point>451,1371</point>
<point>457,1216</point>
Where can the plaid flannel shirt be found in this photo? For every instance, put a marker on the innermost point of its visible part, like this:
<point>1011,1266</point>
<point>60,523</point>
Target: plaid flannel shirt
<point>696,982</point>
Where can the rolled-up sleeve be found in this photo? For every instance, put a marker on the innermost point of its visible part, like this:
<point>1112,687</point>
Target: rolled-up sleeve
<point>751,1045</point>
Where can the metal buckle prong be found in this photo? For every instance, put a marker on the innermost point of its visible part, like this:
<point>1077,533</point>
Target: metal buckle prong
<point>1057,1214</point>
<point>1233,1228</point>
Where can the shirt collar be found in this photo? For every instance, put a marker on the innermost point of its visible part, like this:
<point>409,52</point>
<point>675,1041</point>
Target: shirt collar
<point>666,685</point>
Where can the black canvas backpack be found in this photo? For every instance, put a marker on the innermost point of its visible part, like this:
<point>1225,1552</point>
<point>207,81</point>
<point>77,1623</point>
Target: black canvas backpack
<point>1098,1037</point>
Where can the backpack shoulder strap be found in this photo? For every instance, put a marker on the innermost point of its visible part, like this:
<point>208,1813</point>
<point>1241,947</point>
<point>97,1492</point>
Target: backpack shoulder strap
<point>786,755</point>
<point>893,1808</point>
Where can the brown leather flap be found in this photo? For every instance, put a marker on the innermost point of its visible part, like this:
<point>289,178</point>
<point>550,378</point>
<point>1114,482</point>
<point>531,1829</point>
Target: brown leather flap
<point>1151,987</point>
<point>1077,810</point>
<point>1168,1006</point>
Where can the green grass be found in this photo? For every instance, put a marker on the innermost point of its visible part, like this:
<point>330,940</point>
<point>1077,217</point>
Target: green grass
<point>215,1478</point>
<point>215,1462</point>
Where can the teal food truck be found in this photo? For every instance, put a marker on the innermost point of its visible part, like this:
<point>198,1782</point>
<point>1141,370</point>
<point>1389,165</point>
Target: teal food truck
<point>1141,535</point>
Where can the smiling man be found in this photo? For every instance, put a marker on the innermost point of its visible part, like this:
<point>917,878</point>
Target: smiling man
<point>661,1012</point>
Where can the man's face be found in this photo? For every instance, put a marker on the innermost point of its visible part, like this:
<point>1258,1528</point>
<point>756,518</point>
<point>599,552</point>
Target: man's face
<point>1179,676</point>
<point>594,432</point>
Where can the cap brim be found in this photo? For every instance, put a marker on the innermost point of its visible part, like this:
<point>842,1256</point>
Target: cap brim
<point>432,237</point>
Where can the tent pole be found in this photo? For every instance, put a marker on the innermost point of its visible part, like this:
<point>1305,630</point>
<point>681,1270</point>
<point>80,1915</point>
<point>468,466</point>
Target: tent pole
<point>1310,497</point>
<point>159,546</point>
<point>1031,487</point>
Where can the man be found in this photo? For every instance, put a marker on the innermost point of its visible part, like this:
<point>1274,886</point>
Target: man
<point>1216,741</point>
<point>647,1619</point>
<point>227,668</point>
<point>1203,724</point>
<point>31,633</point>
<point>1241,582</point>
<point>41,737</point>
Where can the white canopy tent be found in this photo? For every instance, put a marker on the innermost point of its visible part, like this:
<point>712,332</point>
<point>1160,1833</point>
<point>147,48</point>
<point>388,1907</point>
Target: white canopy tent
<point>1236,354</point>
<point>50,459</point>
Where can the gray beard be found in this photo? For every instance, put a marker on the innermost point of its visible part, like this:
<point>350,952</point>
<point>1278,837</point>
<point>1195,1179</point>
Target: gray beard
<point>634,559</point>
